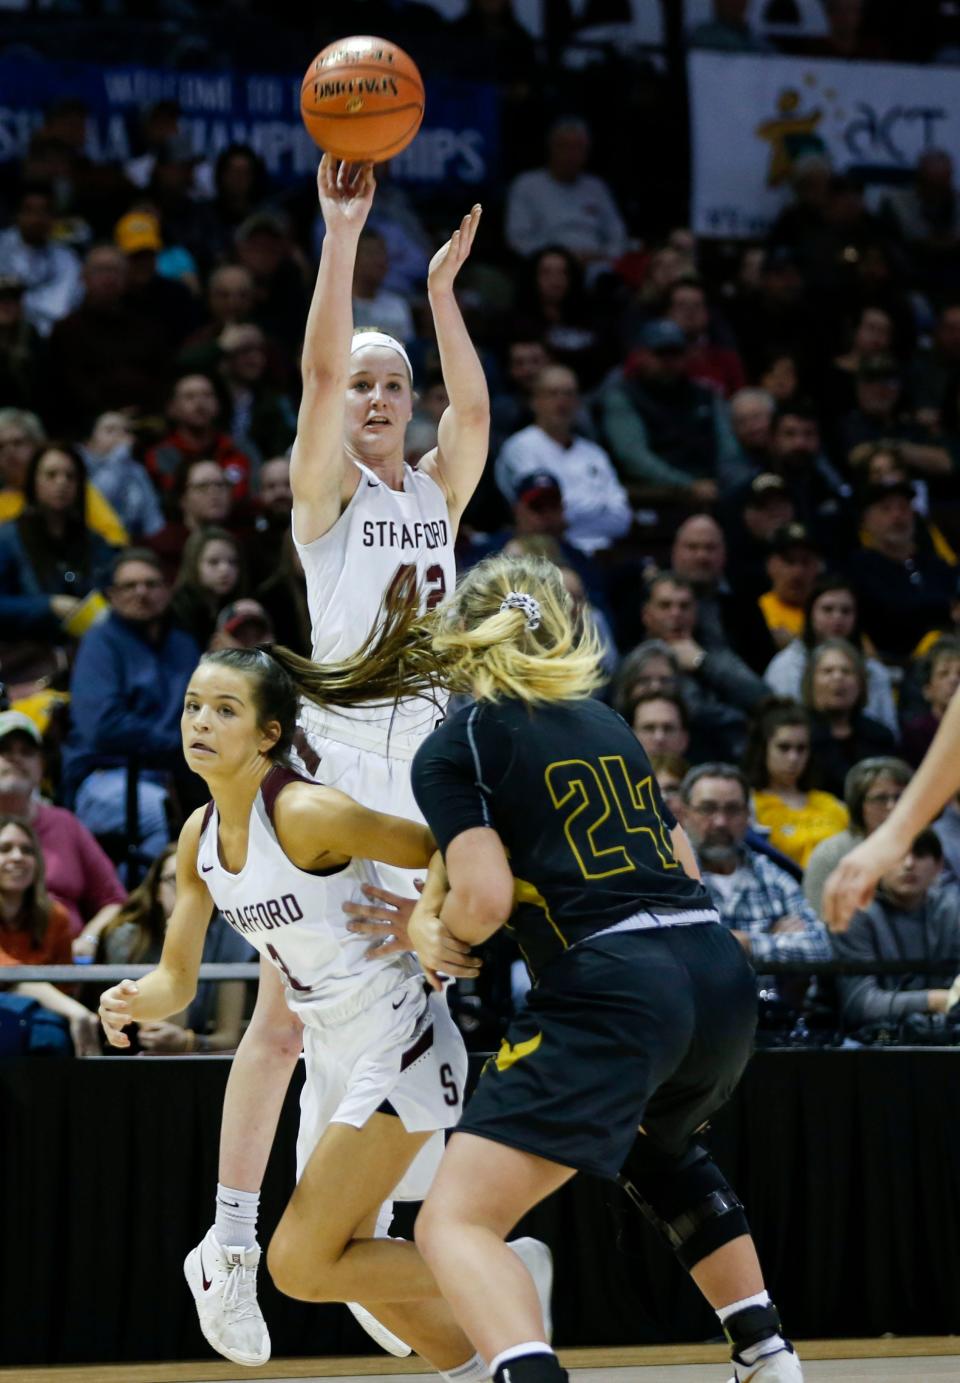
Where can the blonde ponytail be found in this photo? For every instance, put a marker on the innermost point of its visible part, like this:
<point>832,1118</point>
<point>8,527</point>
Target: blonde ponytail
<point>469,645</point>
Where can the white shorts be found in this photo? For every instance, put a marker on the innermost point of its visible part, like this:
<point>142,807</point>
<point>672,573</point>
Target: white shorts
<point>407,1053</point>
<point>377,782</point>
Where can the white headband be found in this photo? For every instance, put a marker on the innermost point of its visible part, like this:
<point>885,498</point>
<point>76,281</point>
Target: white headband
<point>380,338</point>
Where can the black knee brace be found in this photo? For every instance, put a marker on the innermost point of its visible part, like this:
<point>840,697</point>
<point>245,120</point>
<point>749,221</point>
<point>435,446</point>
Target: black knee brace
<point>687,1199</point>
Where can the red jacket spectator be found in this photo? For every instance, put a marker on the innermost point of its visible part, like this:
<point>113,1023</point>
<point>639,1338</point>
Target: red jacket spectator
<point>194,409</point>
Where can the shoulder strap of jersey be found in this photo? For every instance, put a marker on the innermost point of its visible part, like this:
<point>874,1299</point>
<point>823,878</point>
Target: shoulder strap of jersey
<point>207,814</point>
<point>277,779</point>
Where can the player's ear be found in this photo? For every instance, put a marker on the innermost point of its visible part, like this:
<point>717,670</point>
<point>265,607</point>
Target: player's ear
<point>270,734</point>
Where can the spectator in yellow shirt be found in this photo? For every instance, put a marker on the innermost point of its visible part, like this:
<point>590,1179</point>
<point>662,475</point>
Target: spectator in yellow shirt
<point>777,766</point>
<point>22,435</point>
<point>793,565</point>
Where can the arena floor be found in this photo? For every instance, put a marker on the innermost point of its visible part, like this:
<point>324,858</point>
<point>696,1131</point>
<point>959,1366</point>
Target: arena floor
<point>825,1361</point>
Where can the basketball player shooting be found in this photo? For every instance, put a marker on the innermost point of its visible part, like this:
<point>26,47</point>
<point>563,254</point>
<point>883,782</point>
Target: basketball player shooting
<point>360,517</point>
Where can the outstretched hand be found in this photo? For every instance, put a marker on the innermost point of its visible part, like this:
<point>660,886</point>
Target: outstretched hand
<point>386,919</point>
<point>851,886</point>
<point>346,193</point>
<point>450,258</point>
<point>114,1012</point>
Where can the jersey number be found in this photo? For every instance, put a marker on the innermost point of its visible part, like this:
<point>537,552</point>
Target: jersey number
<point>275,956</point>
<point>434,583</point>
<point>588,801</point>
<point>451,1094</point>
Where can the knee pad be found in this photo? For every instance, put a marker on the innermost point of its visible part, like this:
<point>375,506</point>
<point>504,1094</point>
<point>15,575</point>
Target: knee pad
<point>687,1199</point>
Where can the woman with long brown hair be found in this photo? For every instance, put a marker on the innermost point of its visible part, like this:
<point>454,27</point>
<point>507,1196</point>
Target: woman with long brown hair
<point>50,560</point>
<point>211,576</point>
<point>34,930</point>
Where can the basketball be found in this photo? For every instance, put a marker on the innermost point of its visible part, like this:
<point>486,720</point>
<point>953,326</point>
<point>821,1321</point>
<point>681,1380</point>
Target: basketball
<point>362,99</point>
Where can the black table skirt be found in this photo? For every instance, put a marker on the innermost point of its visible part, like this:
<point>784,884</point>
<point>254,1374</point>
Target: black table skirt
<point>848,1164</point>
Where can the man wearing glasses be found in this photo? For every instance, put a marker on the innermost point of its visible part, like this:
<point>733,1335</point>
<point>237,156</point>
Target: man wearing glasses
<point>126,689</point>
<point>761,903</point>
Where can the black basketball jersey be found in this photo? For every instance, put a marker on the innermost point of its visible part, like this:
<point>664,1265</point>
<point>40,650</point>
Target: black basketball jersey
<point>571,793</point>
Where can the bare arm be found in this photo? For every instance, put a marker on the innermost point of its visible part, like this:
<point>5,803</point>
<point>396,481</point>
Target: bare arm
<point>684,852</point>
<point>480,896</point>
<point>319,473</point>
<point>321,828</point>
<point>464,434</point>
<point>171,987</point>
<point>851,885</point>
<point>83,1023</point>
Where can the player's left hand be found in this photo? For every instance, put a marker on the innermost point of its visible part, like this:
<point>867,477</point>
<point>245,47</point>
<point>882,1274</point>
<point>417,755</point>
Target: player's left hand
<point>446,263</point>
<point>384,919</point>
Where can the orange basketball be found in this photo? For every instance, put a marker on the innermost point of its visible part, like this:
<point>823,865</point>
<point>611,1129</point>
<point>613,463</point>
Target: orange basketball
<point>362,99</point>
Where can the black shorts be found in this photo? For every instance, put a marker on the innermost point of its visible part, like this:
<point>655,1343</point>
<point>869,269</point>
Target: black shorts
<point>648,1028</point>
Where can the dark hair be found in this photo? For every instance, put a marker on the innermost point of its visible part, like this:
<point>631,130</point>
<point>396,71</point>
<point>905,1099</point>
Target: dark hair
<point>665,578</point>
<point>728,772</point>
<point>134,554</point>
<point>856,657</point>
<point>823,586</point>
<point>861,778</point>
<point>674,698</point>
<point>528,296</point>
<point>927,845</point>
<point>395,660</point>
<point>76,515</point>
<point>232,151</point>
<point>34,915</point>
<point>772,714</point>
<point>50,557</point>
<point>181,476</point>
<point>141,910</point>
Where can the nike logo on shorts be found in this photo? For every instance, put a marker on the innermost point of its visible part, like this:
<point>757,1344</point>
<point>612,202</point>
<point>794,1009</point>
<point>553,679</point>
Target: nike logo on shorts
<point>401,1000</point>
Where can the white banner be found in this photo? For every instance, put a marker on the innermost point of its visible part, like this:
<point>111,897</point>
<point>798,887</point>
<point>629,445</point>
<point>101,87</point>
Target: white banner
<point>752,117</point>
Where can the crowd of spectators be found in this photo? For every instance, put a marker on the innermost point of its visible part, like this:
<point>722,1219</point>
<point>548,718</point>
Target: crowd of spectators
<point>743,457</point>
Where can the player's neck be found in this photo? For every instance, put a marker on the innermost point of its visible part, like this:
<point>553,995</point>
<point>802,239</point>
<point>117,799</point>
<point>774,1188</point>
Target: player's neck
<point>388,469</point>
<point>235,794</point>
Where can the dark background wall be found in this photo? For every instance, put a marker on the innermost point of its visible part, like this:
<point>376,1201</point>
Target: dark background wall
<point>846,1162</point>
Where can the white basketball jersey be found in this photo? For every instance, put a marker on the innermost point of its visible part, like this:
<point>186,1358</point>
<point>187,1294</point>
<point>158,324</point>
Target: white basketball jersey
<point>348,571</point>
<point>295,918</point>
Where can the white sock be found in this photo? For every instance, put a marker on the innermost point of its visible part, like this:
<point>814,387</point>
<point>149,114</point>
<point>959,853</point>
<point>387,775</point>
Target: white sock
<point>761,1299</point>
<point>236,1223</point>
<point>763,1347</point>
<point>516,1351</point>
<point>473,1371</point>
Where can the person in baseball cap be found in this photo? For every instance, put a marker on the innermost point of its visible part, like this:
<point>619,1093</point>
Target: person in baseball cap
<point>538,506</point>
<point>16,723</point>
<point>136,232</point>
<point>794,562</point>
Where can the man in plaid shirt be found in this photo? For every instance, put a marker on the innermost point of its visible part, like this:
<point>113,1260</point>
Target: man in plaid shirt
<point>761,903</point>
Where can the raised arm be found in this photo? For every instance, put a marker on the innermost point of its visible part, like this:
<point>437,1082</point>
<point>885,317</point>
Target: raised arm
<point>463,440</point>
<point>170,987</point>
<point>852,884</point>
<point>319,474</point>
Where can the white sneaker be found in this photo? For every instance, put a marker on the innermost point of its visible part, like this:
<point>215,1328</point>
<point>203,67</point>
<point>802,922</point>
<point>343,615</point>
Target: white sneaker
<point>538,1261</point>
<point>782,1367</point>
<point>224,1286</point>
<point>378,1331</point>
